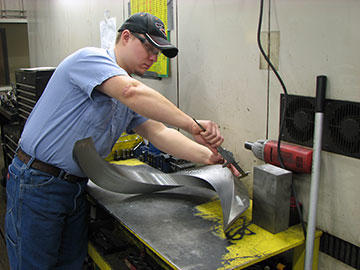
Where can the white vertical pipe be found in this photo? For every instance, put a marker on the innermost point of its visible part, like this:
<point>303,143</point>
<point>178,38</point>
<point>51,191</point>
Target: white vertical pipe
<point>315,173</point>
<point>315,177</point>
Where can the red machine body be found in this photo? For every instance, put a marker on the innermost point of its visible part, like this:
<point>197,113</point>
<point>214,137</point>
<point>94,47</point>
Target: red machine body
<point>296,158</point>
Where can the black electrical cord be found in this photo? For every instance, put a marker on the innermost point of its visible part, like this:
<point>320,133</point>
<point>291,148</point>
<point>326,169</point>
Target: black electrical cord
<point>283,113</point>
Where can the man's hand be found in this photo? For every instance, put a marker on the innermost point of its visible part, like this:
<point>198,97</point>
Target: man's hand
<point>216,158</point>
<point>212,139</point>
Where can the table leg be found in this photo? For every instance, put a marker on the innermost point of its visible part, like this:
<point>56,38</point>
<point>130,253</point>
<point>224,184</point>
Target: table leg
<point>299,255</point>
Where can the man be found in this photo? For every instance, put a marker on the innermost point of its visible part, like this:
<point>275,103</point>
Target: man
<point>90,94</point>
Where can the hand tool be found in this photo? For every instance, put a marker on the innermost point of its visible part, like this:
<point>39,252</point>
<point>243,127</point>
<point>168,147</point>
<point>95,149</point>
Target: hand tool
<point>227,155</point>
<point>296,158</point>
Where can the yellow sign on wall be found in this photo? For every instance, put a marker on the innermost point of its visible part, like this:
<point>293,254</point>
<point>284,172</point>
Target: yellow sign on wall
<point>159,9</point>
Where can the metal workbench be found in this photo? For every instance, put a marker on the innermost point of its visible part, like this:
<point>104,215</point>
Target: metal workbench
<point>183,227</point>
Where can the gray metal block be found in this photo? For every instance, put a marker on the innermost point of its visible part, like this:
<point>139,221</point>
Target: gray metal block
<point>271,197</point>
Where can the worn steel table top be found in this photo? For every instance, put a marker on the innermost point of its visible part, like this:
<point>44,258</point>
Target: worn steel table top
<point>183,226</point>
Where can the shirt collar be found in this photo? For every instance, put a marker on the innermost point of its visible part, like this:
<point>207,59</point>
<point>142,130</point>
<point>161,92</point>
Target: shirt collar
<point>111,53</point>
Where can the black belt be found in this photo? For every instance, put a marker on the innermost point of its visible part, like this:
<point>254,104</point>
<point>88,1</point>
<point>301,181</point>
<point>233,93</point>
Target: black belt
<point>47,168</point>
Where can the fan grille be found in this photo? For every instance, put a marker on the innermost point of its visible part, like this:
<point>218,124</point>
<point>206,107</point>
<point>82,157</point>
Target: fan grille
<point>299,120</point>
<point>344,126</point>
<point>341,131</point>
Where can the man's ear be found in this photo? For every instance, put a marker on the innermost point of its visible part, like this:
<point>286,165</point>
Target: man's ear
<point>126,35</point>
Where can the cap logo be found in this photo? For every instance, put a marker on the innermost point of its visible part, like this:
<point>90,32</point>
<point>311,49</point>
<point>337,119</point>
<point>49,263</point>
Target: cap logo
<point>160,26</point>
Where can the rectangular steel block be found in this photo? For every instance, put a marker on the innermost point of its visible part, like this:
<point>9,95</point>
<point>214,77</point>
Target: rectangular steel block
<point>271,197</point>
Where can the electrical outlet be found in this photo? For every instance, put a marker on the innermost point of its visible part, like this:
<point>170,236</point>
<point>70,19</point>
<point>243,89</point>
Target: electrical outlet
<point>274,48</point>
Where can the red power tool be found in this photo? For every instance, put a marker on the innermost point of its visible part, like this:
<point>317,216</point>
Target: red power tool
<point>296,158</point>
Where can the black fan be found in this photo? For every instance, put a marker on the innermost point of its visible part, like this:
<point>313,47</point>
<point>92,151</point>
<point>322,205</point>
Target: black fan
<point>344,127</point>
<point>299,119</point>
<point>341,130</point>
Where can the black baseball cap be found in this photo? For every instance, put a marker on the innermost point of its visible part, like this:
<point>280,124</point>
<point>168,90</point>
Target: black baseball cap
<point>153,29</point>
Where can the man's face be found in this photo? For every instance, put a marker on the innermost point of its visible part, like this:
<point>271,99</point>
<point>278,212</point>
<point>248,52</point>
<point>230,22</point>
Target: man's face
<point>143,54</point>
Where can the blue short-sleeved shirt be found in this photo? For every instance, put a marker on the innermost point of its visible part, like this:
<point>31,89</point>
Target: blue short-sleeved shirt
<point>71,109</point>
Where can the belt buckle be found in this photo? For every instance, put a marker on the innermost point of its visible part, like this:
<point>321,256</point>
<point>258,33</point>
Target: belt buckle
<point>66,178</point>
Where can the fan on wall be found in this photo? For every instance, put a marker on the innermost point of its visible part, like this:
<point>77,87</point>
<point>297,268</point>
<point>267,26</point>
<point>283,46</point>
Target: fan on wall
<point>341,130</point>
<point>343,126</point>
<point>299,119</point>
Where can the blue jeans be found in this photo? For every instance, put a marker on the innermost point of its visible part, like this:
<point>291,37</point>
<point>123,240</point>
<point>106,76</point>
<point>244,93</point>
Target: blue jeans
<point>46,220</point>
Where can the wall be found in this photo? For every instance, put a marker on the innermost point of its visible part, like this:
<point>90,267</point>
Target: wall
<point>60,27</point>
<point>320,37</point>
<point>17,46</point>
<point>216,75</point>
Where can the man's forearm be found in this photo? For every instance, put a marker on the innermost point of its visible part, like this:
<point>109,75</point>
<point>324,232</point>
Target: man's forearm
<point>178,145</point>
<point>146,101</point>
<point>174,143</point>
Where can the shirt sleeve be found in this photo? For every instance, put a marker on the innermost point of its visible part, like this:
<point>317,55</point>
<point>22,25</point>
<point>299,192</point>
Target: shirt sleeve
<point>136,120</point>
<point>91,67</point>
